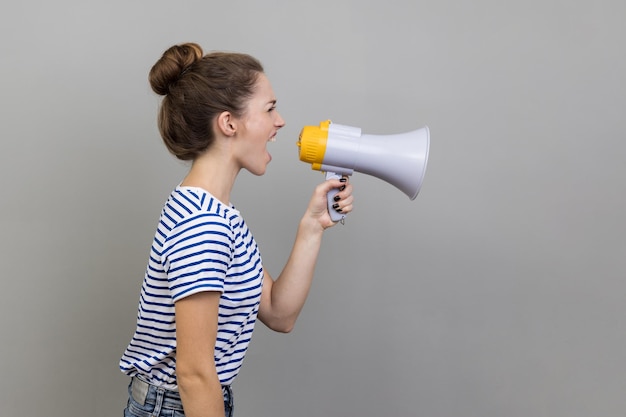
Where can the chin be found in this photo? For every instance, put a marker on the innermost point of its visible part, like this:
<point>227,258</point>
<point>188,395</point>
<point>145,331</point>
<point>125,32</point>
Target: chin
<point>259,168</point>
<point>258,172</point>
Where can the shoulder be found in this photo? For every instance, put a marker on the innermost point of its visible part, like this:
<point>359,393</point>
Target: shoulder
<point>192,212</point>
<point>185,203</point>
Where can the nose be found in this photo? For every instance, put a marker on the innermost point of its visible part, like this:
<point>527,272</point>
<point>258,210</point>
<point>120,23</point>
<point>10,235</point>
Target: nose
<point>280,122</point>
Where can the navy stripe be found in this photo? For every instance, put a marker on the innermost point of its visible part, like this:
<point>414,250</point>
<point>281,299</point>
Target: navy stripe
<point>200,272</point>
<point>181,205</point>
<point>197,254</point>
<point>189,200</point>
<point>173,210</point>
<point>213,287</point>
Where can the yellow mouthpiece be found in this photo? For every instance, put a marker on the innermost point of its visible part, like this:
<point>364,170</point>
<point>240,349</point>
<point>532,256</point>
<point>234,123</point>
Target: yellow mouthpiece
<point>312,144</point>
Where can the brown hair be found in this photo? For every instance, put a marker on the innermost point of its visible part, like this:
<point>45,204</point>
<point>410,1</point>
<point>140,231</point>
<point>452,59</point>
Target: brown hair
<point>197,88</point>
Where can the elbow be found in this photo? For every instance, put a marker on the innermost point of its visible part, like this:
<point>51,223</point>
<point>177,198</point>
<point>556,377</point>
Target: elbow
<point>283,328</point>
<point>187,377</point>
<point>280,325</point>
<point>191,374</point>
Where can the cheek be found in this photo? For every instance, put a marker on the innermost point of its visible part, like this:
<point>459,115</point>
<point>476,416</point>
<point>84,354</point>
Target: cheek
<point>254,127</point>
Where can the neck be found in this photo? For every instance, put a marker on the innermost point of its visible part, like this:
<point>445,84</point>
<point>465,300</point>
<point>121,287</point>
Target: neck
<point>213,174</point>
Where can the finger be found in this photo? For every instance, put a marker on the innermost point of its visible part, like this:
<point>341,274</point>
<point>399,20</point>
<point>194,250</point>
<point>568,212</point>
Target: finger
<point>343,209</point>
<point>344,192</point>
<point>328,185</point>
<point>344,205</point>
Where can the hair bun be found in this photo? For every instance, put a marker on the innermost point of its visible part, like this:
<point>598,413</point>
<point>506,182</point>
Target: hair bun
<point>169,68</point>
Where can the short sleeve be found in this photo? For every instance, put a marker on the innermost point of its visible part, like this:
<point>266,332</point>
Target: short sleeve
<point>198,252</point>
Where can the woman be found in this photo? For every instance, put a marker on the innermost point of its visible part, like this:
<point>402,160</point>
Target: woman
<point>205,284</point>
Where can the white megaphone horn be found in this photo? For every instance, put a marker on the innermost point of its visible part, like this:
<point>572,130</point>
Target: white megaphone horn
<point>399,159</point>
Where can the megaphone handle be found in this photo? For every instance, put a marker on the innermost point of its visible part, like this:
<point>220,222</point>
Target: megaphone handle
<point>334,214</point>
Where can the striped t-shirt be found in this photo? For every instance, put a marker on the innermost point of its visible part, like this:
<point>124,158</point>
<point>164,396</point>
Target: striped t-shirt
<point>200,245</point>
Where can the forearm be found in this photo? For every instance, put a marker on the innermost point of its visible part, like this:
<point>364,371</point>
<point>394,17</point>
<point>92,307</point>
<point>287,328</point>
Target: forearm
<point>290,290</point>
<point>283,299</point>
<point>201,394</point>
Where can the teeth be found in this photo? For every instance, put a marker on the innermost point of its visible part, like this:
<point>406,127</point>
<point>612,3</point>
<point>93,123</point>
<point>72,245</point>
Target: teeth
<point>273,139</point>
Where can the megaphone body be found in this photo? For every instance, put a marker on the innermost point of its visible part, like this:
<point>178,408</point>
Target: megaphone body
<point>398,159</point>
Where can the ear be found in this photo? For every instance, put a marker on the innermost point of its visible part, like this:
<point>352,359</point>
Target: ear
<point>226,123</point>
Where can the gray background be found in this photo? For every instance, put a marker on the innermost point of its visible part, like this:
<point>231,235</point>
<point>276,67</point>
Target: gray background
<point>499,291</point>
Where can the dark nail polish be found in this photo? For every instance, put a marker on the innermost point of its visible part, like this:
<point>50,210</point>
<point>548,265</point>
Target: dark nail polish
<point>337,198</point>
<point>336,206</point>
<point>343,187</point>
<point>343,179</point>
<point>338,210</point>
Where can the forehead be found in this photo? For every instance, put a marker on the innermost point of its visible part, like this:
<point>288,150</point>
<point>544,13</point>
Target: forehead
<point>263,89</point>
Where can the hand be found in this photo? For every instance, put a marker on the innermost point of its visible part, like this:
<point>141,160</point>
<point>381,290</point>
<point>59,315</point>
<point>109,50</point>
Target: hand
<point>318,206</point>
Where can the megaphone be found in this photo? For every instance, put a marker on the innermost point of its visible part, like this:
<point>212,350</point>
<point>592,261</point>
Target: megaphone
<point>399,159</point>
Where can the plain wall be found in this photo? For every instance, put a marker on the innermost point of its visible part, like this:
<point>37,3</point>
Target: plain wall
<point>499,291</point>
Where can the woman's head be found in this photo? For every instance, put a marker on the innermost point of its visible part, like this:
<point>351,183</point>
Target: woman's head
<point>197,88</point>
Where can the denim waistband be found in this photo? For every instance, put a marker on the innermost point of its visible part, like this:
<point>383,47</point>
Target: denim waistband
<point>143,392</point>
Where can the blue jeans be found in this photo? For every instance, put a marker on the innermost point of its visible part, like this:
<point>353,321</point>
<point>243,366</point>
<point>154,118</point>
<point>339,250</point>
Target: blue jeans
<point>145,400</point>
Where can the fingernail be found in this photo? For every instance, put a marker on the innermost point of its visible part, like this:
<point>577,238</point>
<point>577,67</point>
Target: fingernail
<point>343,187</point>
<point>343,179</point>
<point>336,207</point>
<point>338,210</point>
<point>337,198</point>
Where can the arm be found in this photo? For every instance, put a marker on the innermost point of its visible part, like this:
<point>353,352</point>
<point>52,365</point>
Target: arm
<point>196,332</point>
<point>283,299</point>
